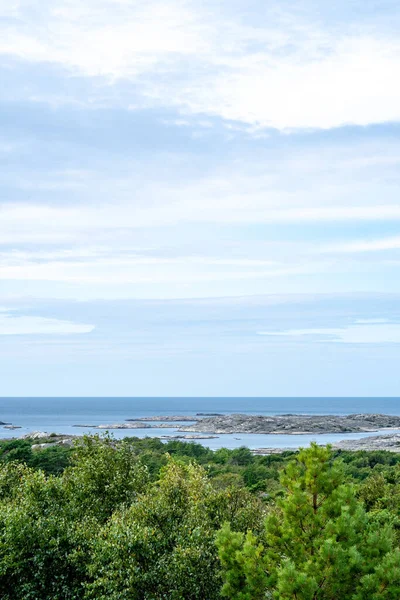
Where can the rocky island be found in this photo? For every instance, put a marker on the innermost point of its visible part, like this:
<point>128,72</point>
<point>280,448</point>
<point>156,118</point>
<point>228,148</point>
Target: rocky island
<point>292,424</point>
<point>131,425</point>
<point>388,443</point>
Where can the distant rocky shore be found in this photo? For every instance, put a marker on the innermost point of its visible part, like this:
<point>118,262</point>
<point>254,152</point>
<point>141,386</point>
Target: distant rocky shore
<point>389,443</point>
<point>176,418</point>
<point>243,423</point>
<point>219,424</point>
<point>204,426</point>
<point>293,424</point>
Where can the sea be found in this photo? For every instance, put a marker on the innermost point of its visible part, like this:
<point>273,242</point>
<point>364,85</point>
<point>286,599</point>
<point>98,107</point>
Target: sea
<point>61,415</point>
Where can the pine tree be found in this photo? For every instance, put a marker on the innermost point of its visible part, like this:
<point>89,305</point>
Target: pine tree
<point>319,542</point>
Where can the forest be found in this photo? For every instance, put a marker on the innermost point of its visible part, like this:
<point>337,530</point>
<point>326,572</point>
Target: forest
<point>139,519</point>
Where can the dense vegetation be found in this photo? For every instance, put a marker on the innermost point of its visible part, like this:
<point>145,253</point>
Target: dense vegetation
<point>143,520</point>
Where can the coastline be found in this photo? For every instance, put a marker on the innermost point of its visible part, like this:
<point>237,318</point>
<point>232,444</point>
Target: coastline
<point>257,432</point>
<point>389,442</point>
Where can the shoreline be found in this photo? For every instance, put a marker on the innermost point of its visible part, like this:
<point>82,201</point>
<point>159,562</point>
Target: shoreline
<point>386,442</point>
<point>369,431</point>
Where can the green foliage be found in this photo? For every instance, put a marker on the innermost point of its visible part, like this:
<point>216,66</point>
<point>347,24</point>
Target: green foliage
<point>104,476</point>
<point>163,545</point>
<point>15,451</point>
<point>52,460</point>
<point>243,565</point>
<point>40,545</point>
<point>319,541</point>
<point>141,520</point>
<point>384,582</point>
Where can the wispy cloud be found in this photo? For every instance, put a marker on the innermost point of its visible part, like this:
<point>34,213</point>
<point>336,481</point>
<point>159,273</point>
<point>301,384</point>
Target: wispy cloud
<point>366,331</point>
<point>209,346</point>
<point>24,223</point>
<point>15,324</point>
<point>360,246</point>
<point>277,217</point>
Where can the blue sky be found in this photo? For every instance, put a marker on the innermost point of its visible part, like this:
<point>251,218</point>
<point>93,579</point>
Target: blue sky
<point>199,198</point>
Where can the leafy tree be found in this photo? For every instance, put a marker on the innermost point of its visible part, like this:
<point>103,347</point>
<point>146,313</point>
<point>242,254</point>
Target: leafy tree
<point>42,554</point>
<point>52,460</point>
<point>162,546</point>
<point>104,476</point>
<point>16,451</point>
<point>126,520</point>
<point>241,456</point>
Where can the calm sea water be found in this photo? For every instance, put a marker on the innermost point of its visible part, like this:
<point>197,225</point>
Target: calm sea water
<point>61,414</point>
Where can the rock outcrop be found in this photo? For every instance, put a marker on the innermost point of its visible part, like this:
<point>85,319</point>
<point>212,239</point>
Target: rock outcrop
<point>293,424</point>
<point>390,443</point>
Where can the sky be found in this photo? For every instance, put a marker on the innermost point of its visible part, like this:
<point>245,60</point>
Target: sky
<point>199,198</point>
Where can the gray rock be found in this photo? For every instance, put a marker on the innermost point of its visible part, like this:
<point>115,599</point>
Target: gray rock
<point>390,443</point>
<point>36,435</point>
<point>293,424</point>
<point>66,442</point>
<point>60,442</point>
<point>42,446</point>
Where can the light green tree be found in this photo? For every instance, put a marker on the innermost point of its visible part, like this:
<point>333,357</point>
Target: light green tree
<point>104,476</point>
<point>163,545</point>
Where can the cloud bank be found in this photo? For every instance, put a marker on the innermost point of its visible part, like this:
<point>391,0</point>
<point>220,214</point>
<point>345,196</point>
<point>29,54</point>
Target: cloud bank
<point>276,68</point>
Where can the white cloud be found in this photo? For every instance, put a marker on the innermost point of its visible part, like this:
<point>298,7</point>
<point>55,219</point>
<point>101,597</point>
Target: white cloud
<point>125,269</point>
<point>126,233</point>
<point>359,246</point>
<point>325,183</point>
<point>352,83</point>
<point>21,223</point>
<point>9,9</point>
<point>362,332</point>
<point>370,321</point>
<point>102,39</point>
<point>285,72</point>
<point>12,324</point>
